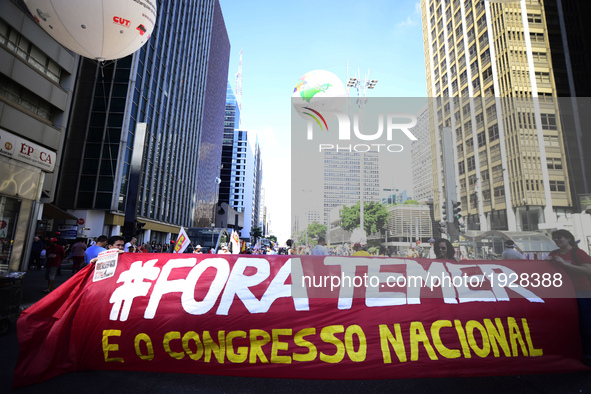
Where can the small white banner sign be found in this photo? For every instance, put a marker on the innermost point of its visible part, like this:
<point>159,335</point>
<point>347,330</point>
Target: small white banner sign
<point>18,148</point>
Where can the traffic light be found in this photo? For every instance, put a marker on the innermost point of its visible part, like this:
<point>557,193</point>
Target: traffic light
<point>442,227</point>
<point>444,212</point>
<point>457,210</point>
<point>457,207</point>
<point>461,226</point>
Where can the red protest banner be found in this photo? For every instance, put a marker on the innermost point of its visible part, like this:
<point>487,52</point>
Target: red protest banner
<point>235,315</point>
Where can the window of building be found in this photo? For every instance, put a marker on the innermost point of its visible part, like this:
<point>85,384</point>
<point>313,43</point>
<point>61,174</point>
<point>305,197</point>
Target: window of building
<point>534,18</point>
<point>554,163</point>
<point>539,56</point>
<point>536,37</point>
<point>471,163</point>
<point>484,175</point>
<point>499,191</point>
<point>548,121</point>
<point>542,77</point>
<point>493,132</point>
<point>19,45</point>
<point>550,140</point>
<point>491,112</point>
<point>26,99</point>
<point>466,109</point>
<point>479,119</point>
<point>557,186</point>
<point>463,77</point>
<point>470,36</point>
<point>481,139</point>
<point>454,86</point>
<point>483,40</point>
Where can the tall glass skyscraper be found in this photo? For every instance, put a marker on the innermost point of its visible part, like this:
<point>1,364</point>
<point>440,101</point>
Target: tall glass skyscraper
<point>246,179</point>
<point>231,122</point>
<point>176,84</point>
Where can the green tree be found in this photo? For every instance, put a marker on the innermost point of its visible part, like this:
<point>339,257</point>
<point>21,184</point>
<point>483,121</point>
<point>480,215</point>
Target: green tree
<point>272,238</point>
<point>301,238</point>
<point>375,216</point>
<point>256,232</point>
<point>411,202</point>
<point>316,230</point>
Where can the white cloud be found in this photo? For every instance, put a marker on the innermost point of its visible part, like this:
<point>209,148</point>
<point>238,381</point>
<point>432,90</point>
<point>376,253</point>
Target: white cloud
<point>413,19</point>
<point>267,137</point>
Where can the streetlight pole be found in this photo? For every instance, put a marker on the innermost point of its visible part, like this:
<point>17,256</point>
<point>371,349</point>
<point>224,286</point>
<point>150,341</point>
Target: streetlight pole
<point>215,201</point>
<point>361,85</point>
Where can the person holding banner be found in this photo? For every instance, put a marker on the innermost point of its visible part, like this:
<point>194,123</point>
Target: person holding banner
<point>116,242</point>
<point>578,265</point>
<point>360,250</point>
<point>510,253</point>
<point>444,250</point>
<point>320,249</point>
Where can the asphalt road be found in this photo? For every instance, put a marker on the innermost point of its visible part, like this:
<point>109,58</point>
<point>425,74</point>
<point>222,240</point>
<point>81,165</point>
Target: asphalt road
<point>112,382</point>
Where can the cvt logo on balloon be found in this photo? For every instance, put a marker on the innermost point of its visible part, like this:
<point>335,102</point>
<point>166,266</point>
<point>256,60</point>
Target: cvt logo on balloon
<point>98,29</point>
<point>319,97</point>
<point>121,21</point>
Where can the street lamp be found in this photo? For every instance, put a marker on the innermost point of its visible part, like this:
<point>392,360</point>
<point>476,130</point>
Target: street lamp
<point>352,82</point>
<point>361,85</point>
<point>215,201</point>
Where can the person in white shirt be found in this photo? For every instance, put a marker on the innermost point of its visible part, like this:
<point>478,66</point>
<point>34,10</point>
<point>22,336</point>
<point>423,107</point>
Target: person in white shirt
<point>130,243</point>
<point>320,249</point>
<point>510,253</point>
<point>223,250</point>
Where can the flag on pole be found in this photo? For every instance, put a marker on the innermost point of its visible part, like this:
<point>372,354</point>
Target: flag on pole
<point>181,242</point>
<point>257,246</point>
<point>235,242</point>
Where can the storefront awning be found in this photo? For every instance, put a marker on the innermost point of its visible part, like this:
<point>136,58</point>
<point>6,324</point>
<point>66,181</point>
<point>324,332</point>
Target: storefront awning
<point>50,211</point>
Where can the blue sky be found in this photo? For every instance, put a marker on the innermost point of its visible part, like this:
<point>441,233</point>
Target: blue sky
<point>281,41</point>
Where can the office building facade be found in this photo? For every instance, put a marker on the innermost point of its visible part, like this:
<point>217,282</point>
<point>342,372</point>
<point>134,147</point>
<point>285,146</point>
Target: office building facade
<point>176,84</point>
<point>349,177</point>
<point>36,86</point>
<point>422,158</point>
<point>489,72</point>
<point>231,122</point>
<point>246,179</point>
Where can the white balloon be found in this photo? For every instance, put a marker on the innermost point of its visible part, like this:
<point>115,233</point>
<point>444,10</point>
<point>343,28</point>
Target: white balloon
<point>318,90</point>
<point>97,29</point>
